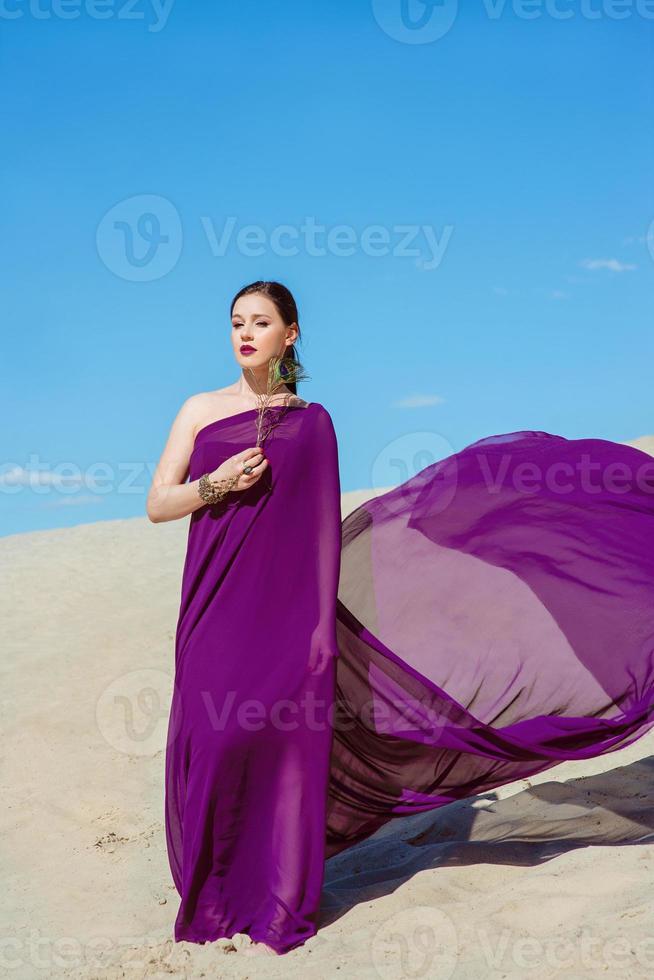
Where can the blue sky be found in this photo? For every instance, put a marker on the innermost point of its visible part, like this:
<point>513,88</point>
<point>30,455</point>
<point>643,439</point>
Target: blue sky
<point>493,166</point>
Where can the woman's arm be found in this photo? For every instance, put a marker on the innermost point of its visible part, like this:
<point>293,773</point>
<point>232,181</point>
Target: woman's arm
<point>170,496</point>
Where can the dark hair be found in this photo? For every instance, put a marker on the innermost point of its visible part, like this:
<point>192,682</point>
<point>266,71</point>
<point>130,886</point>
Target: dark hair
<point>285,305</point>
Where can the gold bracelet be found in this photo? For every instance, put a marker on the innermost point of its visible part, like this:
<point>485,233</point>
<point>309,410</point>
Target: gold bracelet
<point>213,491</point>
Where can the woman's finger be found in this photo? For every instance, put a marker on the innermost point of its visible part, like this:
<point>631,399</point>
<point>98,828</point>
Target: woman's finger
<point>256,472</point>
<point>253,461</point>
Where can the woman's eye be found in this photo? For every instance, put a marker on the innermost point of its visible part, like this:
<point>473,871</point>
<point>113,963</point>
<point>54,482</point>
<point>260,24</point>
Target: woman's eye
<point>262,323</point>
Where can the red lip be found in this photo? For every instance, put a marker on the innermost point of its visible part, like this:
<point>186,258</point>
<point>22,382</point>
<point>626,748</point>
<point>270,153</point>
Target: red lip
<point>246,347</point>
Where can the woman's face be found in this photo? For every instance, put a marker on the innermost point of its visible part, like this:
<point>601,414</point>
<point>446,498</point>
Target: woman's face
<point>257,323</point>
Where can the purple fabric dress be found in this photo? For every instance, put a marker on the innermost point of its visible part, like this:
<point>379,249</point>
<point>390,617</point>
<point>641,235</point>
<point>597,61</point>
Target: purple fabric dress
<point>247,763</point>
<point>483,621</point>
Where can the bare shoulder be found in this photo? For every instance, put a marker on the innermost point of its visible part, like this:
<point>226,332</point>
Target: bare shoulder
<point>194,406</point>
<point>208,399</point>
<point>210,406</point>
<point>207,406</point>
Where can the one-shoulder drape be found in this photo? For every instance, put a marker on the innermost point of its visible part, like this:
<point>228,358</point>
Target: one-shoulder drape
<point>250,733</point>
<point>485,620</point>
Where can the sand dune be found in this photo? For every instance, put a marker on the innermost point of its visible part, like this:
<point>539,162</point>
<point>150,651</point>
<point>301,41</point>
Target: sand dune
<point>538,879</point>
<point>646,443</point>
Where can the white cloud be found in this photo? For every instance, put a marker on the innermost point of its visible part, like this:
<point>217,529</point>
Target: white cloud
<point>419,401</point>
<point>19,476</point>
<point>77,499</point>
<point>613,264</point>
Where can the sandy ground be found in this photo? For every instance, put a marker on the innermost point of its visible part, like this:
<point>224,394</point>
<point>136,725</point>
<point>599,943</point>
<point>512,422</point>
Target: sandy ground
<point>538,879</point>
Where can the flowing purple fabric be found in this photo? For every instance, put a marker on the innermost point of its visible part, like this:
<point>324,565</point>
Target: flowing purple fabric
<point>247,762</point>
<point>483,621</point>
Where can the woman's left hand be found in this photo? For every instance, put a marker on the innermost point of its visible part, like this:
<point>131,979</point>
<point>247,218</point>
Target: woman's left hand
<point>320,651</point>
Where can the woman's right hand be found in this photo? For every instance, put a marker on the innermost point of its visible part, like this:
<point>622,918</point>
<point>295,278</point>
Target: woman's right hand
<point>234,466</point>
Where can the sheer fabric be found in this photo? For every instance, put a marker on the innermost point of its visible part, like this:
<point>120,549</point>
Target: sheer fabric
<point>485,620</point>
<point>247,760</point>
<point>495,617</point>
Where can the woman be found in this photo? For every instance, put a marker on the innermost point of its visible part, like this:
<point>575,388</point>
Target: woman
<point>247,762</point>
<point>483,621</point>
